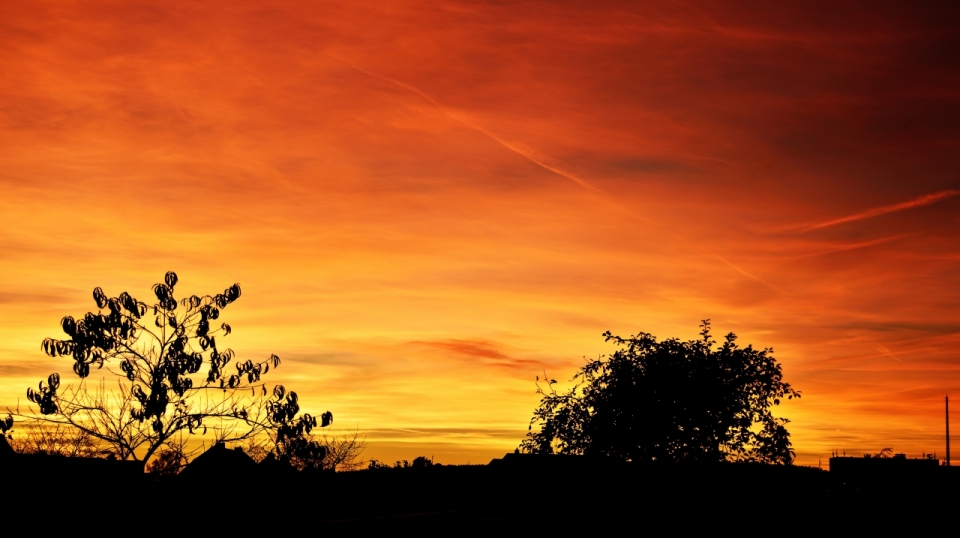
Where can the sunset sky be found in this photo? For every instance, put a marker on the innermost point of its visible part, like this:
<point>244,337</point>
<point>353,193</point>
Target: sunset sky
<point>428,204</point>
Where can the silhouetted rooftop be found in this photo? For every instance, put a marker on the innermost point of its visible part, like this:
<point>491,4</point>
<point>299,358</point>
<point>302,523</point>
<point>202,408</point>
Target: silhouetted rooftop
<point>219,462</point>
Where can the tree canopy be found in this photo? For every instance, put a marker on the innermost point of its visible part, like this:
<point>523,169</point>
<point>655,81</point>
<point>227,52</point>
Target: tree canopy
<point>172,378</point>
<point>669,401</point>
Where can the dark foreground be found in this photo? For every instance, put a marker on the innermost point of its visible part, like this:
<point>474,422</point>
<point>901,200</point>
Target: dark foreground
<point>518,493</point>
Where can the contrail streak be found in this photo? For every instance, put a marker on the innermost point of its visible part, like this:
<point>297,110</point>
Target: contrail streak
<point>921,201</point>
<point>887,353</point>
<point>537,160</point>
<point>853,246</point>
<point>532,157</point>
<point>749,275</point>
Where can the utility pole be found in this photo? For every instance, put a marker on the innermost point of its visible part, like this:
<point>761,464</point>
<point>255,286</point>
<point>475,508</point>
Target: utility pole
<point>946,403</point>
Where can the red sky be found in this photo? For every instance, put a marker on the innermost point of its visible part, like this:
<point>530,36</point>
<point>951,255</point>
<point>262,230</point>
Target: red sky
<point>429,204</point>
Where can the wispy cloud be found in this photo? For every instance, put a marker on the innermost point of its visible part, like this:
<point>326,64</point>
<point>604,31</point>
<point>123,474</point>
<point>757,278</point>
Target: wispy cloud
<point>476,348</point>
<point>483,352</point>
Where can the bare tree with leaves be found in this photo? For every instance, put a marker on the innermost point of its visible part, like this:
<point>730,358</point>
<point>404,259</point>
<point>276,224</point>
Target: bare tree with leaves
<point>344,452</point>
<point>171,376</point>
<point>328,452</point>
<point>55,440</point>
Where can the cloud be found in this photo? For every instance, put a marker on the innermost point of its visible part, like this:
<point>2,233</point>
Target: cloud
<point>473,348</point>
<point>487,353</point>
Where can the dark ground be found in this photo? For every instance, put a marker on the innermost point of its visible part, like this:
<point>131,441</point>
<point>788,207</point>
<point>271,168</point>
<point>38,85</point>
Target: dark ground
<point>535,494</point>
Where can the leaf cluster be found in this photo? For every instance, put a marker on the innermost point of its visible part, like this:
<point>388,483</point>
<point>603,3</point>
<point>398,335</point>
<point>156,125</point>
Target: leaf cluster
<point>292,442</point>
<point>6,425</point>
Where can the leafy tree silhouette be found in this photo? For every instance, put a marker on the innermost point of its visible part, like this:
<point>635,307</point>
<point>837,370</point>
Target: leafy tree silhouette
<point>669,401</point>
<point>157,353</point>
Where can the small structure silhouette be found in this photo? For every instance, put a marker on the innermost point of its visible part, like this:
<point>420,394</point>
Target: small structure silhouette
<point>273,468</point>
<point>881,473</point>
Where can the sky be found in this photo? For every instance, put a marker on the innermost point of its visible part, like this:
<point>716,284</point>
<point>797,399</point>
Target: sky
<point>429,204</point>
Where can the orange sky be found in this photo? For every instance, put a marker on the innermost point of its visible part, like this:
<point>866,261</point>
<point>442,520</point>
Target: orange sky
<point>428,204</point>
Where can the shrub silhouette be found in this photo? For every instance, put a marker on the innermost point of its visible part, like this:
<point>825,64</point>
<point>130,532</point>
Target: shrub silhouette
<point>669,401</point>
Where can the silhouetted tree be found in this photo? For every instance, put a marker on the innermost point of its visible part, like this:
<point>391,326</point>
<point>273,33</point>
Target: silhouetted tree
<point>339,453</point>
<point>171,375</point>
<point>669,401</point>
<point>420,462</point>
<point>167,463</point>
<point>377,465</point>
<point>55,439</point>
<point>343,452</point>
